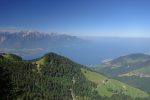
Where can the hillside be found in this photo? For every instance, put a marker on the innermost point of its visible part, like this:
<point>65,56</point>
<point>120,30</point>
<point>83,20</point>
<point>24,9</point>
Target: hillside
<point>139,78</point>
<point>107,86</point>
<point>123,64</point>
<point>54,77</point>
<point>63,69</point>
<point>10,56</point>
<point>141,72</point>
<point>132,69</point>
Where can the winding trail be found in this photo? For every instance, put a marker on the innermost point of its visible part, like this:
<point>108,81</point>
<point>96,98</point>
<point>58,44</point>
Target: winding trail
<point>73,96</point>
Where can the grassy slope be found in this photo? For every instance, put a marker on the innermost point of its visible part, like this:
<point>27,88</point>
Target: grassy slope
<point>144,69</point>
<point>40,62</point>
<point>142,72</point>
<point>108,87</point>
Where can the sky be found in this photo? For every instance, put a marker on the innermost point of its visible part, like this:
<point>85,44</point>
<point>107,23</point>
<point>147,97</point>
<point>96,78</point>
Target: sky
<point>125,18</point>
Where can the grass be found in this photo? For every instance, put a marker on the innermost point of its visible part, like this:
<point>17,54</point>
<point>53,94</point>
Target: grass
<point>144,70</point>
<point>107,86</point>
<point>40,62</point>
<point>141,72</point>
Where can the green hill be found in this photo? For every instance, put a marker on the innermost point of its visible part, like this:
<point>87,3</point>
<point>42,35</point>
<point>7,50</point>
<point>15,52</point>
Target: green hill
<point>139,78</point>
<point>107,86</point>
<point>123,64</point>
<point>54,77</point>
<point>141,72</point>
<point>132,69</point>
<point>10,56</point>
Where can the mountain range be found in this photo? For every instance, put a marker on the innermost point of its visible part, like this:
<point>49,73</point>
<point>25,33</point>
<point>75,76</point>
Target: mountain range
<point>32,44</point>
<point>33,41</point>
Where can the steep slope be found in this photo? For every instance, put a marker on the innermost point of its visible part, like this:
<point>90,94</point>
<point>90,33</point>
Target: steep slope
<point>58,78</point>
<point>54,77</point>
<point>114,86</point>
<point>68,74</point>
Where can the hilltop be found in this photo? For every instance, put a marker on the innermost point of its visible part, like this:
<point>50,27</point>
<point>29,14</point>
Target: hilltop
<point>10,56</point>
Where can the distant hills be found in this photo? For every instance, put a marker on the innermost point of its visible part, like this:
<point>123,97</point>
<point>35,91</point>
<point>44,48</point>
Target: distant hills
<point>123,64</point>
<point>54,77</point>
<point>132,69</point>
<point>141,72</point>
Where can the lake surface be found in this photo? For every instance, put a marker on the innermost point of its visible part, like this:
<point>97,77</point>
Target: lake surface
<point>97,49</point>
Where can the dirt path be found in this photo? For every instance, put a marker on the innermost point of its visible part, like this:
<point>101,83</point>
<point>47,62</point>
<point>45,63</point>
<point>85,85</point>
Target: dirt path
<point>73,96</point>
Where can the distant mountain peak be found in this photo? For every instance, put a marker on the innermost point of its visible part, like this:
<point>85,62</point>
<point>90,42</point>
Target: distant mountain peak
<point>25,33</point>
<point>33,33</point>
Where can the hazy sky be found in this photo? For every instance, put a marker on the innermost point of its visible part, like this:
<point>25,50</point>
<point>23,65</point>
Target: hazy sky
<point>78,17</point>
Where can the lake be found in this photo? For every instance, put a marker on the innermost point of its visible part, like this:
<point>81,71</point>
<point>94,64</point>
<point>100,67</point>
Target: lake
<point>96,49</point>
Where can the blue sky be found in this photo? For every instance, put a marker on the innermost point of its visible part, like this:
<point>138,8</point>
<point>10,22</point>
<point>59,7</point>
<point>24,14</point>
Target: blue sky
<point>129,18</point>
